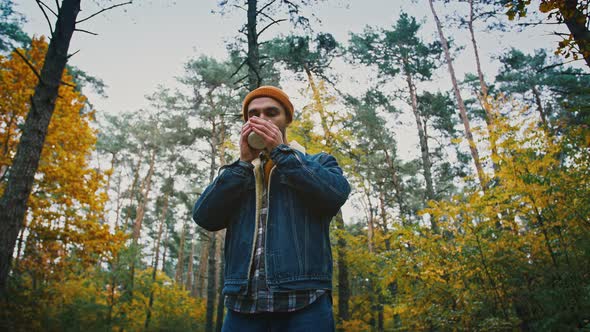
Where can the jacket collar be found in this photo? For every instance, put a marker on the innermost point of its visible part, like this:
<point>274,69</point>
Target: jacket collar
<point>293,144</point>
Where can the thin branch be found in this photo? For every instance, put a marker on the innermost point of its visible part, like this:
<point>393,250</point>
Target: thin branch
<point>46,17</point>
<point>572,73</point>
<point>555,65</point>
<point>57,5</point>
<point>71,55</point>
<point>538,23</point>
<point>267,16</point>
<point>104,10</point>
<point>28,64</point>
<point>68,84</point>
<point>86,31</point>
<point>240,67</point>
<point>240,7</point>
<point>291,4</point>
<point>240,80</point>
<point>265,6</point>
<point>269,25</point>
<point>46,6</point>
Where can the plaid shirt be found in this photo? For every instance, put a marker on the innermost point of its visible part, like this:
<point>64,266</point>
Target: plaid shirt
<point>259,298</point>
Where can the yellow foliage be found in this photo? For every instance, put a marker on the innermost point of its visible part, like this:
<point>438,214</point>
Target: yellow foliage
<point>66,201</point>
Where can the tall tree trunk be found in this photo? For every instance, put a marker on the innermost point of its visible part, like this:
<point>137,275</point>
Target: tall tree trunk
<point>111,299</point>
<point>165,251</point>
<point>211,289</point>
<point>253,60</point>
<point>145,191</point>
<point>396,182</point>
<point>462,109</point>
<point>577,23</point>
<point>343,283</point>
<point>119,199</point>
<point>483,96</point>
<point>371,247</point>
<point>180,263</point>
<point>220,238</point>
<point>131,192</point>
<point>109,177</point>
<point>156,257</point>
<point>426,163</point>
<point>191,259</point>
<point>13,204</point>
<point>540,106</point>
<point>220,279</point>
<point>201,277</point>
<point>482,83</point>
<point>317,97</point>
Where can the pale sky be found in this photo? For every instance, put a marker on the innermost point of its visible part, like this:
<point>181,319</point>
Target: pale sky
<point>143,45</point>
<point>146,43</point>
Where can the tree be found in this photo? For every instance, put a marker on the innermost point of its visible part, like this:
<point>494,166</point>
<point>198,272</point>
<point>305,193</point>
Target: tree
<point>460,103</point>
<point>13,204</point>
<point>256,14</point>
<point>64,233</point>
<point>525,268</point>
<point>213,104</point>
<point>560,95</point>
<point>400,51</point>
<point>572,13</point>
<point>376,173</point>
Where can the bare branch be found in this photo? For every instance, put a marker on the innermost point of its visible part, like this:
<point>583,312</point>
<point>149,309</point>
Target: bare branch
<point>71,55</point>
<point>104,10</point>
<point>68,84</point>
<point>538,23</point>
<point>46,6</point>
<point>269,25</point>
<point>28,63</point>
<point>46,17</point>
<point>86,31</point>
<point>240,80</point>
<point>267,16</point>
<point>291,4</point>
<point>265,6</point>
<point>57,5</point>
<point>556,65</point>
<point>573,73</point>
<point>240,7</point>
<point>240,67</point>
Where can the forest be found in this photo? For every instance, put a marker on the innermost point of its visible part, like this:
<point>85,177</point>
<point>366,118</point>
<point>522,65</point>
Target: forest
<point>470,202</point>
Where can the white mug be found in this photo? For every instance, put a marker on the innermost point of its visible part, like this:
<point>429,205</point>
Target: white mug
<point>255,141</point>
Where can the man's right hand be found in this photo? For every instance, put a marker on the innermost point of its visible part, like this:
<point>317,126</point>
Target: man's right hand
<point>247,153</point>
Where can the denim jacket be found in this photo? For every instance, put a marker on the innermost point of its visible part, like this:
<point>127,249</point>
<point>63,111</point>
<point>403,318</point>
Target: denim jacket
<point>304,193</point>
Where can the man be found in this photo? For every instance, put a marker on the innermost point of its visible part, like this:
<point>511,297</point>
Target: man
<point>276,205</point>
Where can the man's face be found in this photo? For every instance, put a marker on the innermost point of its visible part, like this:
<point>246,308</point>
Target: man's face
<point>269,109</point>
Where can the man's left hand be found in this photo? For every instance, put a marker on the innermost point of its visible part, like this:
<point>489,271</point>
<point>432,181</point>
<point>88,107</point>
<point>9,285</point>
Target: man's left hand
<point>270,133</point>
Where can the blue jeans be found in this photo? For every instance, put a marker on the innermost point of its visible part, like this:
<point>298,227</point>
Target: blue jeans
<point>317,316</point>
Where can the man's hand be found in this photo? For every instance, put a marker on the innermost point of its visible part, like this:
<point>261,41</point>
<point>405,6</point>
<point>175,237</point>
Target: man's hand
<point>247,153</point>
<point>270,133</point>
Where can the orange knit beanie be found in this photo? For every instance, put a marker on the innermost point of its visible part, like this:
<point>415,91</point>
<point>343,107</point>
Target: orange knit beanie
<point>271,92</point>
